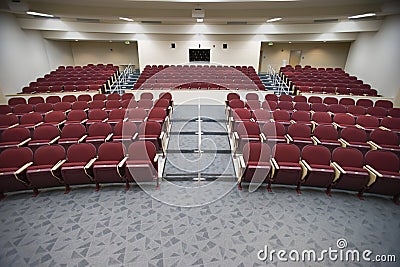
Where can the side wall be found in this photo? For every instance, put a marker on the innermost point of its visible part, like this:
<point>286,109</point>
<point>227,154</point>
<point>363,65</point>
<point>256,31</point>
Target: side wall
<point>375,58</point>
<point>315,54</point>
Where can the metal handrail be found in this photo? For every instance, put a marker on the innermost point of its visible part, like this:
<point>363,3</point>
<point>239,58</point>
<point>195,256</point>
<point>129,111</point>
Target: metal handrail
<point>122,78</point>
<point>278,81</point>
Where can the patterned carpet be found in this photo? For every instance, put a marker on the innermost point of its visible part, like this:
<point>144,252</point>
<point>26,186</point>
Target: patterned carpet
<point>117,228</point>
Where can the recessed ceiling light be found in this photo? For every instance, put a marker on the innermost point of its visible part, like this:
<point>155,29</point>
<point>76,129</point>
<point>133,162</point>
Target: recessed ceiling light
<point>126,19</point>
<point>362,16</point>
<point>290,42</point>
<point>110,41</point>
<point>274,19</point>
<point>76,40</point>
<point>200,20</point>
<point>33,13</point>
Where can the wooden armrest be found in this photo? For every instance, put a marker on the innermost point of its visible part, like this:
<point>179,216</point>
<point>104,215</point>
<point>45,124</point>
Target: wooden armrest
<point>105,120</point>
<point>38,124</point>
<point>306,164</point>
<point>108,138</point>
<point>162,134</point>
<point>22,169</point>
<point>372,174</point>
<point>242,164</point>
<point>274,167</point>
<point>54,140</point>
<point>82,138</point>
<point>292,121</point>
<point>263,137</point>
<point>338,171</point>
<point>125,119</point>
<point>384,128</point>
<point>370,168</point>
<point>122,162</point>
<point>61,122</point>
<point>343,142</point>
<point>373,145</point>
<point>305,169</point>
<point>135,136</point>
<point>315,140</point>
<point>252,119</point>
<point>360,127</point>
<point>157,157</point>
<point>12,126</point>
<point>288,138</point>
<point>90,163</point>
<point>331,113</point>
<point>24,142</point>
<point>58,165</point>
<point>84,121</point>
<point>236,135</point>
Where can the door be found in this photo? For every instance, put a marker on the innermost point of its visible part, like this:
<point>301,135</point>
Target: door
<point>295,57</point>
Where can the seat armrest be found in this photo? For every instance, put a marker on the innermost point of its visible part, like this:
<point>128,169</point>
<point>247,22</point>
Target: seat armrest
<point>305,168</point>
<point>315,140</point>
<point>263,137</point>
<point>289,139</point>
<point>12,126</point>
<point>90,163</point>
<point>38,124</point>
<point>370,168</point>
<point>61,122</point>
<point>274,166</point>
<point>162,134</point>
<point>374,146</point>
<point>24,142</point>
<point>305,164</point>
<point>331,113</point>
<point>82,138</point>
<point>236,135</point>
<point>56,168</point>
<point>54,140</point>
<point>23,168</point>
<point>252,119</point>
<point>135,136</point>
<point>242,164</point>
<point>338,171</point>
<point>157,157</point>
<point>108,138</point>
<point>384,128</point>
<point>360,127</point>
<point>105,120</point>
<point>292,121</point>
<point>122,162</point>
<point>343,142</point>
<point>372,174</point>
<point>125,119</point>
<point>84,121</point>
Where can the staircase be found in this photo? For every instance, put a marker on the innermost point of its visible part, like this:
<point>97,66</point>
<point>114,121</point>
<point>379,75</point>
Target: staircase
<point>125,81</point>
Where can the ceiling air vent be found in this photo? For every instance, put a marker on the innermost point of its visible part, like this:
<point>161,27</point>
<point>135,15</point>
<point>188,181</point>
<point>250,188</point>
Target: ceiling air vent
<point>88,20</point>
<point>325,20</point>
<point>236,22</point>
<point>151,22</point>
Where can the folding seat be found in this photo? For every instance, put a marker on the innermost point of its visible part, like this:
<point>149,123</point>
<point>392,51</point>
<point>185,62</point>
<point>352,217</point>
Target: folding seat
<point>115,116</point>
<point>343,120</point>
<point>80,105</point>
<point>72,134</point>
<point>327,136</point>
<point>146,104</point>
<point>303,89</point>
<point>354,137</point>
<point>128,96</point>
<point>378,112</point>
<point>285,98</point>
<point>385,177</point>
<point>392,124</point>
<point>300,116</point>
<point>281,116</point>
<point>370,92</point>
<point>330,100</point>
<point>384,140</point>
<point>21,109</point>
<point>151,131</point>
<point>13,164</point>
<point>13,101</point>
<point>253,104</point>
<point>137,115</point>
<point>158,115</point>
<point>321,118</point>
<point>271,97</point>
<point>261,116</point>
<point>81,87</point>
<point>236,103</point>
<point>302,106</point>
<point>319,107</point>
<point>69,98</point>
<point>336,109</point>
<point>394,112</point>
<point>252,96</point>
<point>74,171</point>
<point>356,110</point>
<point>125,131</point>
<point>84,97</point>
<point>112,104</point>
<point>43,108</point>
<point>76,116</point>
<point>8,121</point>
<point>387,104</point>
<point>101,97</point>
<point>35,100</point>
<point>109,166</point>
<point>314,99</point>
<point>5,109</point>
<point>31,121</point>
<point>247,131</point>
<point>94,87</point>
<point>96,115</point>
<point>342,91</point>
<point>98,133</point>
<point>356,91</point>
<point>97,104</point>
<point>364,102</point>
<point>142,163</point>
<point>299,134</point>
<point>44,135</point>
<point>255,164</point>
<point>56,118</point>
<point>329,90</point>
<point>300,98</point>
<point>316,163</point>
<point>316,89</point>
<point>273,132</point>
<point>46,169</point>
<point>286,168</point>
<point>62,106</point>
<point>148,96</point>
<point>69,87</point>
<point>53,99</point>
<point>367,123</point>
<point>285,105</point>
<point>350,173</point>
<point>14,137</point>
<point>269,105</point>
<point>113,97</point>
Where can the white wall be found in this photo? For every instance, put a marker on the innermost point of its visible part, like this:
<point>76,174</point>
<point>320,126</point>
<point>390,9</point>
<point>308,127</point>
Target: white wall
<point>159,52</point>
<point>375,58</point>
<point>117,53</point>
<point>318,54</point>
<point>58,53</point>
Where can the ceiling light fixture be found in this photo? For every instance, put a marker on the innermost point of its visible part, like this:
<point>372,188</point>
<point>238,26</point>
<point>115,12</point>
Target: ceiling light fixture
<point>33,13</point>
<point>200,20</point>
<point>126,19</point>
<point>274,19</point>
<point>362,16</point>
<point>290,42</point>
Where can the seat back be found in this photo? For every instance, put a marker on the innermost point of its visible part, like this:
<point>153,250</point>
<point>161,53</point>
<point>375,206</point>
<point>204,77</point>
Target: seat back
<point>68,98</point>
<point>161,103</point>
<point>316,155</point>
<point>241,114</point>
<point>346,101</point>
<point>356,110</point>
<point>16,134</point>
<point>79,105</point>
<point>236,103</point>
<point>354,134</point>
<point>113,97</point>
<point>231,96</point>
<point>365,102</point>
<point>146,95</point>
<point>251,96</point>
<point>281,115</point>
<point>157,113</point>
<point>271,97</point>
<point>299,130</point>
<point>62,106</point>
<point>126,129</point>
<point>43,107</point>
<point>326,132</point>
<point>112,151</point>
<point>137,114</point>
<point>285,105</point>
<point>127,96</point>
<point>113,104</point>
<point>23,108</point>
<point>286,153</point>
<point>75,130</point>
<point>99,129</point>
<point>101,97</point>
<point>13,101</point>
<point>15,157</point>
<point>150,128</point>
<point>260,115</point>
<point>31,118</point>
<point>76,115</point>
<point>384,103</point>
<point>82,152</point>
<point>341,118</point>
<point>142,150</point>
<point>33,100</point>
<point>273,129</point>
<point>85,97</point>
<point>383,137</point>
<point>330,100</point>
<point>45,132</point>
<point>304,106</point>
<point>300,115</point>
<point>337,108</point>
<point>5,109</point>
<point>247,128</point>
<point>391,123</point>
<point>319,107</point>
<point>256,152</point>
<point>383,160</point>
<point>8,119</point>
<point>377,111</point>
<point>367,121</point>
<point>145,103</point>
<point>314,99</point>
<point>117,114</point>
<point>348,157</point>
<point>48,155</point>
<point>55,116</point>
<point>300,98</point>
<point>53,99</point>
<point>269,105</point>
<point>285,98</point>
<point>97,114</point>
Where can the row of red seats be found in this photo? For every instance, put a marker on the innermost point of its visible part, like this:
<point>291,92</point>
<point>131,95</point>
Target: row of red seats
<point>345,168</point>
<point>335,90</point>
<point>53,166</point>
<point>91,85</point>
<point>200,86</point>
